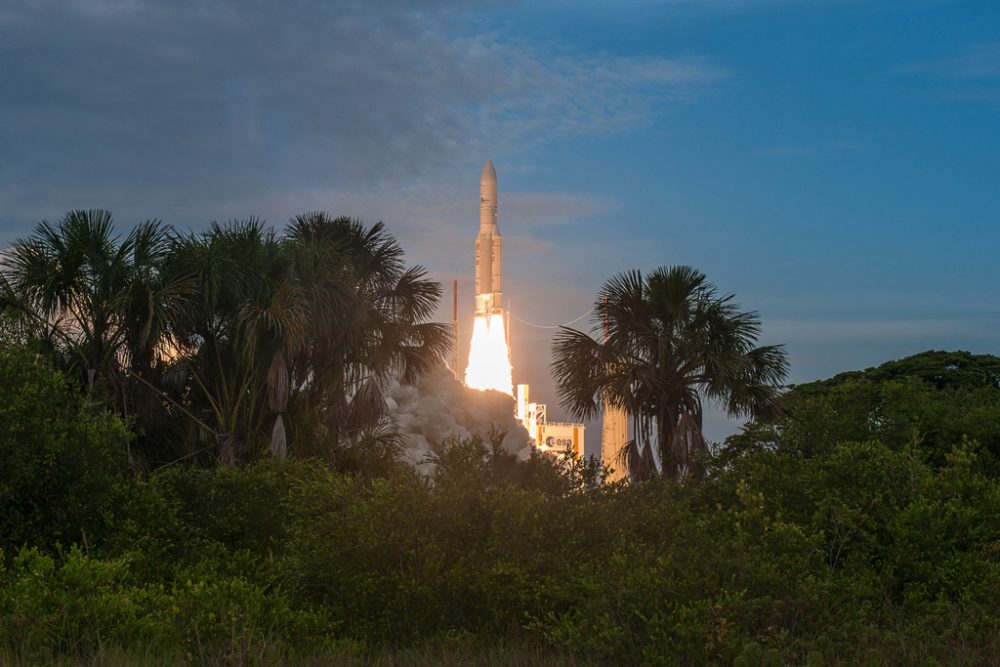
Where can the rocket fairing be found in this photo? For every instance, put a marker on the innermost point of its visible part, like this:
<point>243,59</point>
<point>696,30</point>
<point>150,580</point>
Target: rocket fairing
<point>489,246</point>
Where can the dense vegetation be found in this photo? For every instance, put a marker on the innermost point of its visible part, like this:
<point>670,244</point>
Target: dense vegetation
<point>670,342</point>
<point>225,345</point>
<point>860,528</point>
<point>153,511</point>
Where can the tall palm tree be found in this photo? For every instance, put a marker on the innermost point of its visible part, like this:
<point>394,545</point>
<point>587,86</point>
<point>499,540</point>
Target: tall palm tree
<point>368,322</point>
<point>148,306</point>
<point>220,352</point>
<point>68,274</point>
<point>670,340</point>
<point>103,304</point>
<point>301,330</point>
<point>236,327</point>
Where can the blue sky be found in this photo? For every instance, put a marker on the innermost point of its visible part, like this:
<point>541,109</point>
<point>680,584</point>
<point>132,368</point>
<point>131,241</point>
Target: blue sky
<point>834,163</point>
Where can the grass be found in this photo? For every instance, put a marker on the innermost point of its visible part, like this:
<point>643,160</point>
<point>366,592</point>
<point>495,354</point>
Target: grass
<point>440,655</point>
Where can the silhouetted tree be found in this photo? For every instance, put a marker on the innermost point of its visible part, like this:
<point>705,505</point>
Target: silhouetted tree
<point>671,340</point>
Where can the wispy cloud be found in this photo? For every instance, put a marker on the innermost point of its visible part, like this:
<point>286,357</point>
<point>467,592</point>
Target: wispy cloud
<point>971,76</point>
<point>827,331</point>
<point>187,104</point>
<point>979,62</point>
<point>822,148</point>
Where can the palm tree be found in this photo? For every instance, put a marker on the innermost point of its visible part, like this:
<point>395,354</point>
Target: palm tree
<point>368,323</point>
<point>148,306</point>
<point>236,327</point>
<point>104,306</point>
<point>670,340</point>
<point>68,274</point>
<point>301,330</point>
<point>221,335</point>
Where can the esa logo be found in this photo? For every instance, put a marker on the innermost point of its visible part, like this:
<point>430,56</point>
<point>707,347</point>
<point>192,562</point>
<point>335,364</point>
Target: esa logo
<point>563,443</point>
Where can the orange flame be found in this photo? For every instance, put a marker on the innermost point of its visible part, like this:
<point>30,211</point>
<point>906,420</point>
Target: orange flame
<point>489,357</point>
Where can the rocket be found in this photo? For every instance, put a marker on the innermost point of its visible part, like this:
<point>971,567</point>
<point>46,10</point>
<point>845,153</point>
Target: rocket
<point>489,246</point>
<point>489,350</point>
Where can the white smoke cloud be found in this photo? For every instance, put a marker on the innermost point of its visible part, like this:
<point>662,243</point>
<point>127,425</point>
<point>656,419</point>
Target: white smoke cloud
<point>439,408</point>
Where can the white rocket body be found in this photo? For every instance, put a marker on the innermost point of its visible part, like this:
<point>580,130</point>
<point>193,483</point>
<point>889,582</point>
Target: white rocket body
<point>489,246</point>
<point>489,351</point>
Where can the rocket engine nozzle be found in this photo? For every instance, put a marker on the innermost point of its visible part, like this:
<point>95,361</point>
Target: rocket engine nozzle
<point>489,303</point>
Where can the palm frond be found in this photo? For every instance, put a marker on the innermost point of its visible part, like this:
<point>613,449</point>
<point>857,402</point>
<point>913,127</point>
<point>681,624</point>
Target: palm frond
<point>277,383</point>
<point>367,407</point>
<point>279,443</point>
<point>669,338</point>
<point>578,370</point>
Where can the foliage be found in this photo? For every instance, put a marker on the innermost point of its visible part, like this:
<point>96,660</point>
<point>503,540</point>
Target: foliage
<point>61,457</point>
<point>79,605</point>
<point>856,524</point>
<point>229,344</point>
<point>942,370</point>
<point>669,340</point>
<point>300,331</point>
<point>739,569</point>
<point>864,554</point>
<point>102,304</point>
<point>929,401</point>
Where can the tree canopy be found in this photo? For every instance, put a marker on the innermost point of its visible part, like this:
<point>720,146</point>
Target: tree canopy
<point>944,370</point>
<point>664,342</point>
<point>800,546</point>
<point>235,340</point>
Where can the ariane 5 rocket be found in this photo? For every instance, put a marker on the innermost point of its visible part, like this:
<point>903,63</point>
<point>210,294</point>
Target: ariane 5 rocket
<point>489,246</point>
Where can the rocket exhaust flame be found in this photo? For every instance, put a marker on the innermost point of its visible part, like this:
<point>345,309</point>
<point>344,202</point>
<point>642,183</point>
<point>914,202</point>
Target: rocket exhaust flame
<point>489,355</point>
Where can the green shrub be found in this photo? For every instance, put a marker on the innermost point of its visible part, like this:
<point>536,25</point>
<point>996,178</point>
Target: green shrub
<point>79,606</point>
<point>70,606</point>
<point>61,458</point>
<point>818,551</point>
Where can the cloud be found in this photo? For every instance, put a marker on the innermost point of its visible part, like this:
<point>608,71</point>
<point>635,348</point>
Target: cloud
<point>827,331</point>
<point>979,62</point>
<point>440,409</point>
<point>819,149</point>
<point>128,103</point>
<point>972,76</point>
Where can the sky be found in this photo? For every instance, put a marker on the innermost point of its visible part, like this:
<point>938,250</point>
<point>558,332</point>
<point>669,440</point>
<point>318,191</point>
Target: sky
<point>835,164</point>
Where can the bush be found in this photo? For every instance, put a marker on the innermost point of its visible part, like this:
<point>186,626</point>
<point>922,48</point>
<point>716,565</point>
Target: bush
<point>62,458</point>
<point>804,546</point>
<point>80,606</point>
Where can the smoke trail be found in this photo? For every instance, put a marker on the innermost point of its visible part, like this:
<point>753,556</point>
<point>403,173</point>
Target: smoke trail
<point>440,408</point>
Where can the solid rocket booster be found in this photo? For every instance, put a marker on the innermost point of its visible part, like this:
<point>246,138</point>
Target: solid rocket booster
<point>489,246</point>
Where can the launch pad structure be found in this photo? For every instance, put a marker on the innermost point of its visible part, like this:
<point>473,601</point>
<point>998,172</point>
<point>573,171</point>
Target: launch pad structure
<point>558,438</point>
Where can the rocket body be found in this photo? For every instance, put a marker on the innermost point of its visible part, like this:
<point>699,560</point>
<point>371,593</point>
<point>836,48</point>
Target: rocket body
<point>489,353</point>
<point>489,246</point>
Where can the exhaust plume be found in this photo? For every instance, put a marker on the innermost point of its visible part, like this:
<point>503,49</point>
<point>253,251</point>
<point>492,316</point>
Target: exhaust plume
<point>439,408</point>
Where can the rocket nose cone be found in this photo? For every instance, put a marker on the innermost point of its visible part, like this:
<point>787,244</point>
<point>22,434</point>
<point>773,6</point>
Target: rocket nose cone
<point>488,187</point>
<point>489,173</point>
